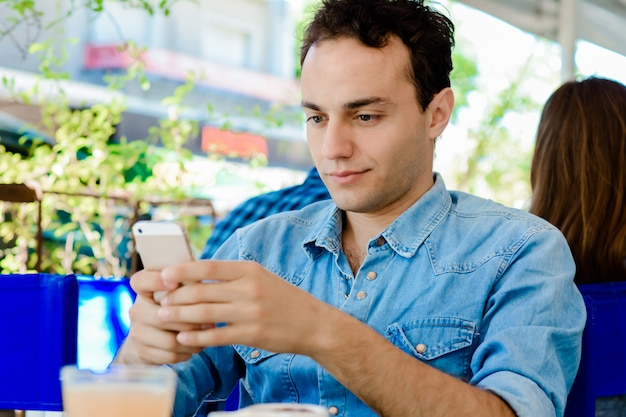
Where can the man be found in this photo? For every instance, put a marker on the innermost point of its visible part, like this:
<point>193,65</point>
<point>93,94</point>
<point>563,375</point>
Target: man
<point>396,298</point>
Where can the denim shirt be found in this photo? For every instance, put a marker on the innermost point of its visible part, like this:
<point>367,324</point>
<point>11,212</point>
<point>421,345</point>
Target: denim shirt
<point>477,290</point>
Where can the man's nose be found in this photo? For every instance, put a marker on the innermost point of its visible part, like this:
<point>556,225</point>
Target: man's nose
<point>338,140</point>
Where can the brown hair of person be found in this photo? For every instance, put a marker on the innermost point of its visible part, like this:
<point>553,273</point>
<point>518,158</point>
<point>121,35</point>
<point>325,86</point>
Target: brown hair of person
<point>578,174</point>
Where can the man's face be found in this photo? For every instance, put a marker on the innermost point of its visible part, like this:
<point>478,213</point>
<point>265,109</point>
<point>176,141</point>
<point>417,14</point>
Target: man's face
<point>370,140</point>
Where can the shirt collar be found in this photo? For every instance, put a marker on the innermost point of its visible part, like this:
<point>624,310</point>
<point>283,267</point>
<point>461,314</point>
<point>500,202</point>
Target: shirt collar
<point>405,235</point>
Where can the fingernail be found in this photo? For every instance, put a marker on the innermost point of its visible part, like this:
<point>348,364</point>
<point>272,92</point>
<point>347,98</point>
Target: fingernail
<point>183,337</point>
<point>167,274</point>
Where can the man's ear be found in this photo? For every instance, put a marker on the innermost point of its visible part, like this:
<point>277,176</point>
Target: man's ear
<point>440,109</point>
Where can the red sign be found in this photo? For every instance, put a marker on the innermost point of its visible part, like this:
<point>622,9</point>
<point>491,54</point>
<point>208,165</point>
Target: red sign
<point>231,144</point>
<point>107,57</point>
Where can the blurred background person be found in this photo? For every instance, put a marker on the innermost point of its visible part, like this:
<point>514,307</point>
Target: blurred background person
<point>578,179</point>
<point>578,174</point>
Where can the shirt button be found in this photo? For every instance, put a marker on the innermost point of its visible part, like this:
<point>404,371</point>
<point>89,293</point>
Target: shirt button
<point>380,241</point>
<point>346,296</point>
<point>371,275</point>
<point>421,348</point>
<point>361,295</point>
<point>255,354</point>
<point>333,411</point>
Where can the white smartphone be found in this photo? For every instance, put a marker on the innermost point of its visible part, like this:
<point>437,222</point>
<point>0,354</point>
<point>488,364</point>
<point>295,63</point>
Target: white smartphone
<point>161,244</point>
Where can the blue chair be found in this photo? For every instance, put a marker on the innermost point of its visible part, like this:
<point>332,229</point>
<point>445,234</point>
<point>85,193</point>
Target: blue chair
<point>602,369</point>
<point>38,333</point>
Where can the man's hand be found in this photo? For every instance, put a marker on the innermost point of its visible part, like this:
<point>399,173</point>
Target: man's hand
<point>259,308</point>
<point>150,339</point>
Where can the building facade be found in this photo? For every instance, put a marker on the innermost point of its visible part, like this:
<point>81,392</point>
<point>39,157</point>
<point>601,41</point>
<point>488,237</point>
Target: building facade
<point>241,52</point>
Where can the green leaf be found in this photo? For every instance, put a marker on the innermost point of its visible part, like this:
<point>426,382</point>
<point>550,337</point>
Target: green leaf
<point>145,83</point>
<point>98,6</point>
<point>37,47</point>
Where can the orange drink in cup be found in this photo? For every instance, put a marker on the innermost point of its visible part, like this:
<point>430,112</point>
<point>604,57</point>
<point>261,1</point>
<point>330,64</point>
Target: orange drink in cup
<point>120,391</point>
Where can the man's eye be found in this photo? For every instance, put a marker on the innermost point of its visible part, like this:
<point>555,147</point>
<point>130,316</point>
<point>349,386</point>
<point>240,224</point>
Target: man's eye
<point>315,119</point>
<point>367,117</point>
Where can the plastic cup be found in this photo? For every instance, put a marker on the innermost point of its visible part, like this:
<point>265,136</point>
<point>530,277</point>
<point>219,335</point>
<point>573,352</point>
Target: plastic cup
<point>118,391</point>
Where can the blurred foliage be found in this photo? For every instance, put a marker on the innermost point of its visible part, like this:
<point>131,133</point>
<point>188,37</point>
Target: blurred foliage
<point>463,78</point>
<point>92,187</point>
<point>308,12</point>
<point>498,163</point>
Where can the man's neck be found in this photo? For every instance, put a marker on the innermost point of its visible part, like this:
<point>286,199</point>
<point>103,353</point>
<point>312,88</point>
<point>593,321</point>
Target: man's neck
<point>358,230</point>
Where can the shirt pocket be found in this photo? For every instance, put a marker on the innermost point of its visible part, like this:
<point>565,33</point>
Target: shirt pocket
<point>444,343</point>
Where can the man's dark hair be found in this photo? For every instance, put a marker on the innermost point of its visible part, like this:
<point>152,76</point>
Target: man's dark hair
<point>427,33</point>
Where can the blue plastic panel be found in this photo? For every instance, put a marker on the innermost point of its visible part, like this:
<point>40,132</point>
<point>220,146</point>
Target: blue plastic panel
<point>103,320</point>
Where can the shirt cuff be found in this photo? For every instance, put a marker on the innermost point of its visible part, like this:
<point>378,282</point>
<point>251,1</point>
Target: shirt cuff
<point>523,395</point>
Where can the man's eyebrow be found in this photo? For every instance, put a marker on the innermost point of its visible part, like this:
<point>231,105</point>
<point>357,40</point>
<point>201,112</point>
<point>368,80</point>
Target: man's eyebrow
<point>309,105</point>
<point>351,105</point>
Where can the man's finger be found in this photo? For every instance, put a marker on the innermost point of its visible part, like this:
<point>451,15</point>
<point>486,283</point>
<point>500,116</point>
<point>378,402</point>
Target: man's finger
<point>208,270</point>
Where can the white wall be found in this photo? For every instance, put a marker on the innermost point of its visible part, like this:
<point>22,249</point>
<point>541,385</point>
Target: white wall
<point>240,33</point>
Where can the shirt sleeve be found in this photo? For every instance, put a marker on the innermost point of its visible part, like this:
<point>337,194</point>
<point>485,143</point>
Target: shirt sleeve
<point>207,377</point>
<point>532,328</point>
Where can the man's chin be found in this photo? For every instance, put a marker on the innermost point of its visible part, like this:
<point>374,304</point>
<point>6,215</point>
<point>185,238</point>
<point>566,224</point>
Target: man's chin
<point>353,206</point>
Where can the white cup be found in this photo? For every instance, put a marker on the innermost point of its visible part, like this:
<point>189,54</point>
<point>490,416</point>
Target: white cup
<point>276,410</point>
